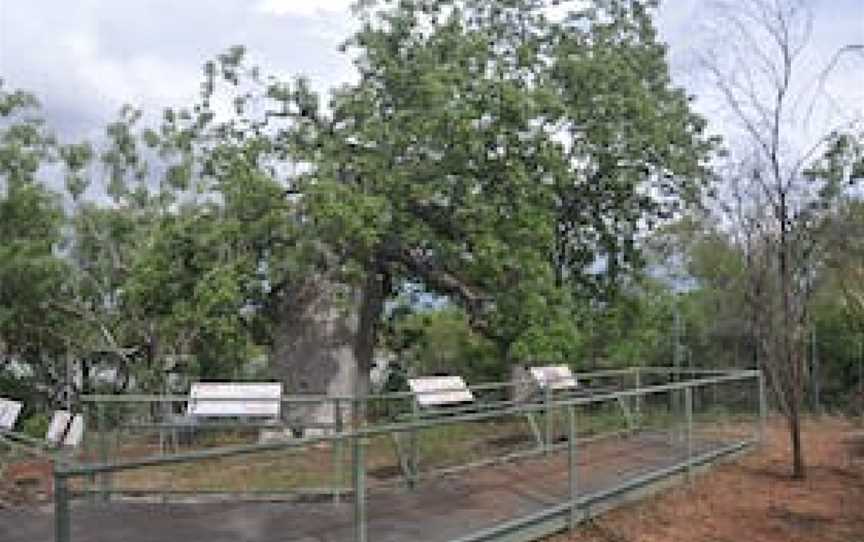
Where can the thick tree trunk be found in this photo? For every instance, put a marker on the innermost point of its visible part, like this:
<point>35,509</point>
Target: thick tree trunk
<point>371,306</point>
<point>324,342</point>
<point>313,345</point>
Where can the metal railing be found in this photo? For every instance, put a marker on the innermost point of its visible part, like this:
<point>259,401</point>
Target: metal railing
<point>678,402</point>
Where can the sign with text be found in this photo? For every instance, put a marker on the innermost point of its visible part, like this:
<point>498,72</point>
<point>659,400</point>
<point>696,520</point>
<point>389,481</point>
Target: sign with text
<point>59,423</point>
<point>555,377</point>
<point>9,411</point>
<point>260,400</point>
<point>440,390</point>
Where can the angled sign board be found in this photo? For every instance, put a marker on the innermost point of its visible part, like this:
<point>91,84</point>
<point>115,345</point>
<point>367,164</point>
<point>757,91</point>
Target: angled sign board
<point>235,399</point>
<point>440,390</point>
<point>554,377</point>
<point>58,426</point>
<point>9,411</point>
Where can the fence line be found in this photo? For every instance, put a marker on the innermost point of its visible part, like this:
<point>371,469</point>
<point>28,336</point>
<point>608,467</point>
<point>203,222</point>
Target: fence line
<point>357,438</point>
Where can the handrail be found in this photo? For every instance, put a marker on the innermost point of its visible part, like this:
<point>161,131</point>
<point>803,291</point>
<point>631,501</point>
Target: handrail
<point>367,432</point>
<point>323,398</point>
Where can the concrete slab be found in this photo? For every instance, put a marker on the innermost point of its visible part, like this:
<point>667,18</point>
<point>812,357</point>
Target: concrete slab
<point>438,510</point>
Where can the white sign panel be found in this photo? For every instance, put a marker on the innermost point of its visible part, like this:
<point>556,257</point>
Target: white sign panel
<point>235,399</point>
<point>75,432</point>
<point>59,422</point>
<point>440,390</point>
<point>9,411</point>
<point>555,377</point>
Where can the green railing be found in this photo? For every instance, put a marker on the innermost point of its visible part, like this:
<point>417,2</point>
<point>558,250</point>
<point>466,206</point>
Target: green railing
<point>679,404</point>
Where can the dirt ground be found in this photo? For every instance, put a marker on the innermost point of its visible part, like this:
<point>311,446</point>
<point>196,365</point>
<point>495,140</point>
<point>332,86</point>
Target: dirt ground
<point>754,499</point>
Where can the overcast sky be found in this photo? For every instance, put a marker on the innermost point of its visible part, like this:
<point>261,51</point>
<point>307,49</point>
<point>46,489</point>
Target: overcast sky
<point>85,58</point>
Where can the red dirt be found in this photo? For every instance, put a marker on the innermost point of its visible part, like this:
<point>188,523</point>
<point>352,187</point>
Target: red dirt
<point>27,481</point>
<point>754,499</point>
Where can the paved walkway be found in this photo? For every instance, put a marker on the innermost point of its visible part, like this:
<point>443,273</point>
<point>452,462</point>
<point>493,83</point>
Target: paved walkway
<point>437,511</point>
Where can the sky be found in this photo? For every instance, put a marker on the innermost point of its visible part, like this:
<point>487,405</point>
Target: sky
<point>86,58</point>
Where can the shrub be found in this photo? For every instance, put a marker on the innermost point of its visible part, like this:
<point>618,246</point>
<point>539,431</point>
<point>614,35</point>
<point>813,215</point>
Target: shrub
<point>36,425</point>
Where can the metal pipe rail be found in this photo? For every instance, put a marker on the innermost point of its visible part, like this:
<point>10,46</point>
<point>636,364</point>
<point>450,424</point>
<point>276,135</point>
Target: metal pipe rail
<point>321,398</point>
<point>358,437</point>
<point>367,432</point>
<point>340,401</point>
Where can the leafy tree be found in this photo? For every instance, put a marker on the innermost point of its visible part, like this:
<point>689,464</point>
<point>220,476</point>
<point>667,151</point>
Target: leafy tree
<point>501,158</point>
<point>489,153</point>
<point>31,221</point>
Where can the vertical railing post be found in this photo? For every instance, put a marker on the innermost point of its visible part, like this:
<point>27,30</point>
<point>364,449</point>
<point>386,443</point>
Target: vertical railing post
<point>414,443</point>
<point>89,448</point>
<point>638,378</point>
<point>763,408</point>
<point>102,428</point>
<point>547,426</point>
<point>572,467</point>
<point>359,464</point>
<point>62,532</point>
<point>688,409</point>
<point>337,451</point>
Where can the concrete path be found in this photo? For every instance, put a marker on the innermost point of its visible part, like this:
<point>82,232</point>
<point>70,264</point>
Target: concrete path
<point>437,511</point>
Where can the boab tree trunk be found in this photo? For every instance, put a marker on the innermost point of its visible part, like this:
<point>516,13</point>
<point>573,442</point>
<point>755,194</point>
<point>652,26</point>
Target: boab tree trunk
<point>312,350</point>
<point>324,340</point>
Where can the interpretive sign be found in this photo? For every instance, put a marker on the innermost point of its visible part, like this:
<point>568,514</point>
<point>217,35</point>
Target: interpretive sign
<point>232,399</point>
<point>440,390</point>
<point>554,377</point>
<point>9,411</point>
<point>59,423</point>
<point>75,433</point>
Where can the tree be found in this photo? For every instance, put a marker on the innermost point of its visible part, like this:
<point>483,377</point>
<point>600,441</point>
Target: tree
<point>773,201</point>
<point>493,153</point>
<point>31,270</point>
<point>470,158</point>
<point>489,153</point>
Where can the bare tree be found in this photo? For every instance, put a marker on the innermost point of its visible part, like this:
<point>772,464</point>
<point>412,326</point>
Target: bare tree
<point>773,203</point>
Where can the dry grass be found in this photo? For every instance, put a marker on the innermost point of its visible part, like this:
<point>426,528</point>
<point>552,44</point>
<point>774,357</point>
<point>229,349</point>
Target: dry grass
<point>312,467</point>
<point>754,499</point>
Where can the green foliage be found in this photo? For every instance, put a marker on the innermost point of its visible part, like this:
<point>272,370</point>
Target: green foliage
<point>36,425</point>
<point>31,274</point>
<point>841,164</point>
<point>441,341</point>
<point>499,166</point>
<point>507,161</point>
<point>631,329</point>
<point>24,143</point>
<point>183,282</point>
<point>31,221</point>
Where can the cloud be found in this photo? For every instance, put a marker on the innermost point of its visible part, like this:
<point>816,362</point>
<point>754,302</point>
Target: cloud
<point>86,58</point>
<point>143,78</point>
<point>303,8</point>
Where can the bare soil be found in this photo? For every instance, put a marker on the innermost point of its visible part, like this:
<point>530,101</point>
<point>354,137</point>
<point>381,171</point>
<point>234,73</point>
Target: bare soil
<point>26,482</point>
<point>754,498</point>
